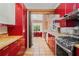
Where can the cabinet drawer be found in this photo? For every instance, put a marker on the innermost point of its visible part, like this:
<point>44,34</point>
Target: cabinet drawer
<point>13,51</point>
<point>4,51</point>
<point>14,48</point>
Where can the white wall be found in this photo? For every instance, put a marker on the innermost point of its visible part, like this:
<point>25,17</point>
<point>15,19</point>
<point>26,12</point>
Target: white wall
<point>36,16</point>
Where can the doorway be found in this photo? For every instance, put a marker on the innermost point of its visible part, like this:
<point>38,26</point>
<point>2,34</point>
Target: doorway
<point>37,43</point>
<point>37,25</point>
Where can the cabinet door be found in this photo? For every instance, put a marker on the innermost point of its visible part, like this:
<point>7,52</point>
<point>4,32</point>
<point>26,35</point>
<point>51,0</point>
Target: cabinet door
<point>69,7</point>
<point>77,5</point>
<point>63,23</point>
<point>21,47</point>
<point>70,23</point>
<point>4,51</point>
<point>13,30</point>
<point>17,48</point>
<point>7,13</point>
<point>67,23</point>
<point>51,43</point>
<point>76,51</point>
<point>14,48</point>
<point>7,50</point>
<point>61,9</point>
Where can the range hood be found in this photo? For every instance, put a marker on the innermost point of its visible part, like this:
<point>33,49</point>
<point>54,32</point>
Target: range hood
<point>72,15</point>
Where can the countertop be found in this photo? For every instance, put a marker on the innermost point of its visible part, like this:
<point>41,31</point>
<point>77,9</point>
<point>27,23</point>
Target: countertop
<point>77,45</point>
<point>5,41</point>
<point>56,34</point>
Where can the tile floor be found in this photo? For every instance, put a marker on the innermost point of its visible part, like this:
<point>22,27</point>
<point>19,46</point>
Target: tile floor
<point>39,48</point>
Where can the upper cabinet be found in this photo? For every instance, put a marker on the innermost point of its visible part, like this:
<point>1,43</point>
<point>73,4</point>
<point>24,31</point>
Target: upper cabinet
<point>21,21</point>
<point>66,8</point>
<point>60,9</point>
<point>77,5</point>
<point>67,23</point>
<point>69,7</point>
<point>69,14</point>
<point>7,13</point>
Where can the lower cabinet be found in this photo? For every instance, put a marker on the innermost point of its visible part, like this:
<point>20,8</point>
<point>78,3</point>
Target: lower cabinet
<point>15,49</point>
<point>4,51</point>
<point>76,51</point>
<point>51,43</point>
<point>37,34</point>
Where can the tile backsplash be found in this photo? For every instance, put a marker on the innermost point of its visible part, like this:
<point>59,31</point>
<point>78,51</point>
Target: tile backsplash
<point>3,29</point>
<point>70,30</point>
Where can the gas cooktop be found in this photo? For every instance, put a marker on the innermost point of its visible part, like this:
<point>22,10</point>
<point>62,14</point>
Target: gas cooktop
<point>67,41</point>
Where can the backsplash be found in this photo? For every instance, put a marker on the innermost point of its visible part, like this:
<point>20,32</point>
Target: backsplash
<point>67,30</point>
<point>70,30</point>
<point>3,29</point>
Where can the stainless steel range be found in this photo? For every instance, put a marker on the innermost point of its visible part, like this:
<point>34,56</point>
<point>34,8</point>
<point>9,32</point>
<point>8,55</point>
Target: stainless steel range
<point>67,43</point>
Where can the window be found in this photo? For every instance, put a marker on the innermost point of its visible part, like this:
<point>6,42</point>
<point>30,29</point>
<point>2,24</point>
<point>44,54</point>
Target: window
<point>36,28</point>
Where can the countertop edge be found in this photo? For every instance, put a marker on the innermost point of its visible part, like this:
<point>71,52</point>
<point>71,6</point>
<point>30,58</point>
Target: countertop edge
<point>9,42</point>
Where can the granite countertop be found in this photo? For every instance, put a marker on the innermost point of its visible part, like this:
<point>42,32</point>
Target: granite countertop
<point>77,45</point>
<point>5,41</point>
<point>56,34</point>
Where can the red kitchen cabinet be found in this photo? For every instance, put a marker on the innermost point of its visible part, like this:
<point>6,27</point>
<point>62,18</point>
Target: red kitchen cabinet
<point>4,51</point>
<point>65,8</point>
<point>13,29</point>
<point>77,52</point>
<point>77,5</point>
<point>52,43</point>
<point>20,17</point>
<point>14,48</point>
<point>20,28</point>
<point>67,23</point>
<point>62,23</point>
<point>69,7</point>
<point>38,34</point>
<point>18,46</point>
<point>22,47</point>
<point>60,9</point>
<point>70,23</point>
<point>7,50</point>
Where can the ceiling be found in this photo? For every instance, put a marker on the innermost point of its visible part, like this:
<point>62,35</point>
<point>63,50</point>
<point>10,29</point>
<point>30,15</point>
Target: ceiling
<point>41,5</point>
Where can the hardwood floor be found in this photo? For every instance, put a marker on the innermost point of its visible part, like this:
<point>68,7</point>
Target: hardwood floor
<point>39,48</point>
